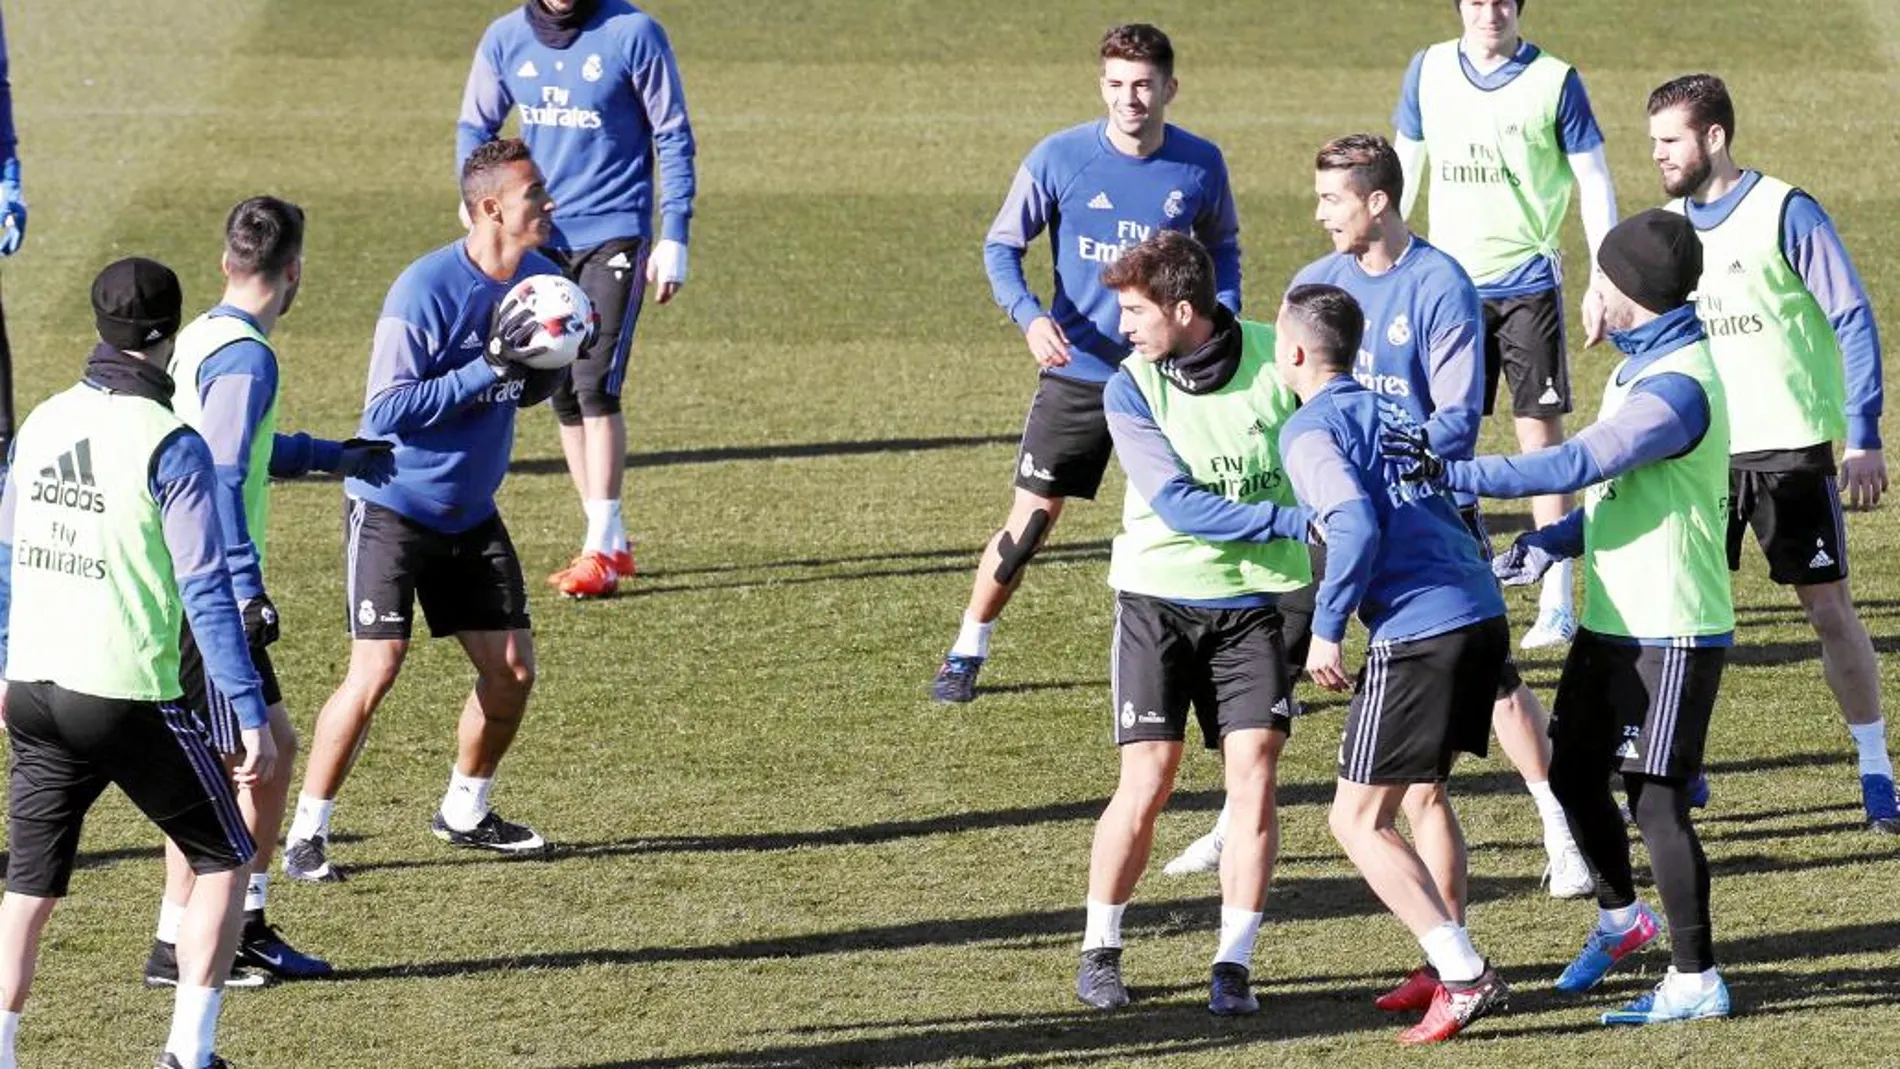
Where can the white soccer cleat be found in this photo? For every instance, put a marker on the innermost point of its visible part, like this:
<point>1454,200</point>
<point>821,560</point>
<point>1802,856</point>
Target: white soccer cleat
<point>1568,874</point>
<point>1554,627</point>
<point>1202,855</point>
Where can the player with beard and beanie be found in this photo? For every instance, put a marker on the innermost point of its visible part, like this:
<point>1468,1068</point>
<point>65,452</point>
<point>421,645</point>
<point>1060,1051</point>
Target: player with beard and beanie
<point>225,371</point>
<point>598,95</point>
<point>1097,189</point>
<point>447,373</point>
<point>1639,685</point>
<point>109,530</point>
<point>1793,334</point>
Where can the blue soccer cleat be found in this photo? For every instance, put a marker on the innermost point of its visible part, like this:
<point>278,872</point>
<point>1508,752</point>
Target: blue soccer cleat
<point>1661,1005</point>
<point>956,679</point>
<point>1883,811</point>
<point>1699,791</point>
<point>1604,949</point>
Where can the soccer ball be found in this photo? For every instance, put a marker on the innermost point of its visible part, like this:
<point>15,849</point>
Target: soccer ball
<point>564,318</point>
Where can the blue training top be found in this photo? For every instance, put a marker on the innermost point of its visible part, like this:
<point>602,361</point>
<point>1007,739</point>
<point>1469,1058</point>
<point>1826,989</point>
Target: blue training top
<point>595,115</point>
<point>1095,200</point>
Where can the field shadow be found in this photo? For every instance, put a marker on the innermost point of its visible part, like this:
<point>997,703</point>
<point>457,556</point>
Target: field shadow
<point>965,554</point>
<point>784,451</point>
<point>1775,654</point>
<point>959,562</point>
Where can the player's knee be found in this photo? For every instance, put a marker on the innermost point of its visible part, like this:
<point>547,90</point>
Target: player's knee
<point>593,402</point>
<point>1575,783</point>
<point>1015,548</point>
<point>1830,610</point>
<point>1347,821</point>
<point>514,676</point>
<point>566,406</point>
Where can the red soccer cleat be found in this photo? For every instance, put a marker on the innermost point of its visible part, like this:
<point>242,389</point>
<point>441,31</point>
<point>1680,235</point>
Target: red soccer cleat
<point>1456,1006</point>
<point>591,575</point>
<point>623,563</point>
<point>1414,993</point>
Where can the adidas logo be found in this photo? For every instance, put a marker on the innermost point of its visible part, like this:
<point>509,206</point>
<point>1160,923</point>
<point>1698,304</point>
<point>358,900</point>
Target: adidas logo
<point>1549,396</point>
<point>1627,751</point>
<point>154,334</point>
<point>1820,558</point>
<point>620,260</point>
<point>1101,203</point>
<point>527,70</point>
<point>1735,268</point>
<point>68,481</point>
<point>473,341</point>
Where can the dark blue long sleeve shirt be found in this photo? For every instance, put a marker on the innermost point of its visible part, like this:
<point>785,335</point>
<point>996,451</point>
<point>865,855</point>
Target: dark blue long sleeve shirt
<point>9,141</point>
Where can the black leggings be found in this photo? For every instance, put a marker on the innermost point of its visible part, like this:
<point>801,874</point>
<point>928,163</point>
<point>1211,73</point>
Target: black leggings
<point>1661,809</point>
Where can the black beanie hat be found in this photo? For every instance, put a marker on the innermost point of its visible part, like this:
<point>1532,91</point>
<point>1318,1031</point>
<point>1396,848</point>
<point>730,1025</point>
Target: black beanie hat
<point>136,303</point>
<point>1654,258</point>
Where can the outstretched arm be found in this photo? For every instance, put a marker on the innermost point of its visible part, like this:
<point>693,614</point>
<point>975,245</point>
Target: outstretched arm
<point>1664,417</point>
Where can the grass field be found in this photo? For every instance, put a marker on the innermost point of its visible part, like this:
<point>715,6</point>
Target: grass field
<point>775,851</point>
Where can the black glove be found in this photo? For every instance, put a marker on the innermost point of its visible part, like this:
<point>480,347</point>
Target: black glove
<point>1398,443</point>
<point>260,620</point>
<point>510,332</point>
<point>369,459</point>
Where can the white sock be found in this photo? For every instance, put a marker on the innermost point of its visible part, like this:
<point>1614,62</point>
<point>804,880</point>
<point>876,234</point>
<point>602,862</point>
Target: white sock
<point>194,1025</point>
<point>1448,947</point>
<point>1556,592</point>
<point>9,1028</point>
<point>1223,822</point>
<point>603,519</point>
<point>256,891</point>
<point>1692,984</point>
<point>1871,741</point>
<point>1555,826</point>
<point>312,819</point>
<point>171,917</point>
<point>1238,930</point>
<point>1618,920</point>
<point>973,638</point>
<point>466,802</point>
<point>1104,925</point>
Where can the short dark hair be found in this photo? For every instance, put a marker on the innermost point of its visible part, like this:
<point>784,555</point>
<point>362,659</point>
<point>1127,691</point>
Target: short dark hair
<point>1168,268</point>
<point>1704,97</point>
<point>1521,5</point>
<point>1369,159</point>
<point>1138,42</point>
<point>1332,321</point>
<point>262,236</point>
<point>479,170</point>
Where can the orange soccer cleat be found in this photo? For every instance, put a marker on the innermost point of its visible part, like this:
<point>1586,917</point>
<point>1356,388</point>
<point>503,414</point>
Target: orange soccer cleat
<point>592,575</point>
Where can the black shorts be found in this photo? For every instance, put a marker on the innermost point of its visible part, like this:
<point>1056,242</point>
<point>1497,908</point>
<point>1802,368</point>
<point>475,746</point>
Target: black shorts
<point>1797,519</point>
<point>1420,702</point>
<point>613,274</point>
<point>203,701</point>
<point>466,582</point>
<point>1510,679</point>
<point>1642,709</point>
<point>1524,344</point>
<point>1066,445</point>
<point>68,747</point>
<point>1227,663</point>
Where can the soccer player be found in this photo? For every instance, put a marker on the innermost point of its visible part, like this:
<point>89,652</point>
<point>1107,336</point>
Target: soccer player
<point>1097,189</point>
<point>224,370</point>
<point>1421,354</point>
<point>1640,682</point>
<point>109,541</point>
<point>1400,556</point>
<point>1510,130</point>
<point>1201,557</point>
<point>600,104</point>
<point>445,378</point>
<point>12,230</point>
<point>1794,339</point>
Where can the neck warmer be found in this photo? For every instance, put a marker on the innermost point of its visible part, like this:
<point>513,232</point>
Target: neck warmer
<point>558,31</point>
<point>110,369</point>
<point>1211,365</point>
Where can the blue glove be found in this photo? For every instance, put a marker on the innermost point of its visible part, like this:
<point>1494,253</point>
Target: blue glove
<point>1525,562</point>
<point>369,459</point>
<point>12,209</point>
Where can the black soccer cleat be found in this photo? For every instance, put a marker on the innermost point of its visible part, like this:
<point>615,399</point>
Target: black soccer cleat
<point>493,833</point>
<point>1098,983</point>
<point>161,969</point>
<point>263,948</point>
<point>1229,993</point>
<point>307,860</point>
<point>168,1060</point>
